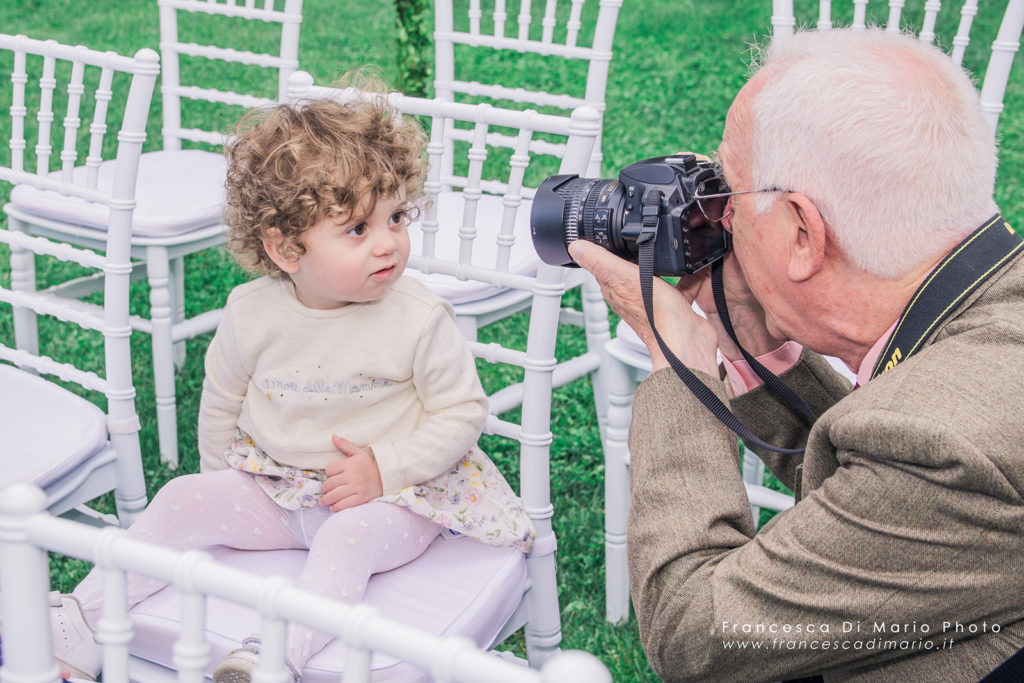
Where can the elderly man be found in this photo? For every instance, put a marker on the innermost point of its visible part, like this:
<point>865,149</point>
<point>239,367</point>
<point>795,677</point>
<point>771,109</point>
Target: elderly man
<point>864,228</point>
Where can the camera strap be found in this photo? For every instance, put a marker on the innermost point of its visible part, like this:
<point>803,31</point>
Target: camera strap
<point>963,270</point>
<point>785,392</point>
<point>645,242</point>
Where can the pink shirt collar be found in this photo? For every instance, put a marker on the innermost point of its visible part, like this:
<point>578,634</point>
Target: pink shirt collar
<point>742,378</point>
<point>868,364</point>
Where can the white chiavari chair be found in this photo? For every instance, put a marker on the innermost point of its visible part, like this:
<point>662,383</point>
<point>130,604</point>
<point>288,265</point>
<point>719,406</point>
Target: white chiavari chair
<point>74,448</point>
<point>557,37</point>
<point>459,587</point>
<point>180,187</point>
<point>1004,43</point>
<point>207,589</point>
<point>550,38</point>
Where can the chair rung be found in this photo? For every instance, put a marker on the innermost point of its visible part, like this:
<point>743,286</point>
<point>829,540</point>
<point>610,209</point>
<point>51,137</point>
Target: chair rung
<point>463,111</point>
<point>500,92</point>
<point>502,43</point>
<point>206,321</point>
<point>194,92</point>
<point>764,497</point>
<point>89,316</point>
<point>230,10</point>
<point>488,186</point>
<point>463,271</point>
<point>228,54</point>
<point>196,135</point>
<point>48,366</point>
<point>46,183</point>
<point>70,53</point>
<point>496,353</point>
<point>554,149</point>
<point>495,425</point>
<point>568,371</point>
<point>58,250</point>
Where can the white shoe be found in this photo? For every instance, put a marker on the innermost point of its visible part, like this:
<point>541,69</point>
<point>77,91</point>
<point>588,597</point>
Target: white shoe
<point>74,647</point>
<point>238,666</point>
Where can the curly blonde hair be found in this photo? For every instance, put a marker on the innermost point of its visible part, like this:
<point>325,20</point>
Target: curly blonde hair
<point>291,166</point>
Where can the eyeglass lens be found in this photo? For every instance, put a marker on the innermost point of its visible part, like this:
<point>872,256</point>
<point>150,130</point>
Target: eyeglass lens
<point>713,208</point>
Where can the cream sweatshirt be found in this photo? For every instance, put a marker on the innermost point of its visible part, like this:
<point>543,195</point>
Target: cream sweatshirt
<point>394,374</point>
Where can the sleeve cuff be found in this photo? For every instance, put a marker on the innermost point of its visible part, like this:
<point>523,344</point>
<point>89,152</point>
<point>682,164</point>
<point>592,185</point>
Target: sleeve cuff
<point>390,475</point>
<point>742,377</point>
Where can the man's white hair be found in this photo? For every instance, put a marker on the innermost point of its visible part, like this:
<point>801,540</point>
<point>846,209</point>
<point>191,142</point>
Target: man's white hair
<point>884,134</point>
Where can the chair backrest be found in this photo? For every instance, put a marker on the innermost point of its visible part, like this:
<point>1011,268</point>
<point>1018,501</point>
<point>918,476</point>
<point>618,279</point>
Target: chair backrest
<point>217,23</point>
<point>91,83</point>
<point>546,283</point>
<point>948,26</point>
<point>465,45</point>
<point>26,534</point>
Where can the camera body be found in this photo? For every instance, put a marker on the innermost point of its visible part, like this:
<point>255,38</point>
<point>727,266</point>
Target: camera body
<point>611,213</point>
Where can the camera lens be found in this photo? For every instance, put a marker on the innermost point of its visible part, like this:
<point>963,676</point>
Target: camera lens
<point>567,208</point>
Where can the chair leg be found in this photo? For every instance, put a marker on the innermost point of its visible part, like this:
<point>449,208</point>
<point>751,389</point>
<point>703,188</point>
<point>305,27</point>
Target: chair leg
<point>27,650</point>
<point>157,270</point>
<point>543,631</point>
<point>595,322</point>
<point>23,279</point>
<point>753,473</point>
<point>468,326</point>
<point>620,387</point>
<point>177,290</point>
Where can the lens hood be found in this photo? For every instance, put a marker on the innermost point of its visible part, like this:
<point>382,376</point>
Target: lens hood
<point>546,222</point>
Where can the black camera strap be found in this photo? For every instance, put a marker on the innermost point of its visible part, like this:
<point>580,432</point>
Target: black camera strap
<point>785,392</point>
<point>963,270</point>
<point>645,242</point>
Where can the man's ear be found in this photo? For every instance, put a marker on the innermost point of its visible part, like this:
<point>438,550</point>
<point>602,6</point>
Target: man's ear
<point>806,238</point>
<point>274,245</point>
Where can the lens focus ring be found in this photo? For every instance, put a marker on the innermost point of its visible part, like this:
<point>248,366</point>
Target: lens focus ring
<point>596,230</point>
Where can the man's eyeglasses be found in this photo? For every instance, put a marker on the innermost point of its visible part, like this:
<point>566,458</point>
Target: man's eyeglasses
<point>714,198</point>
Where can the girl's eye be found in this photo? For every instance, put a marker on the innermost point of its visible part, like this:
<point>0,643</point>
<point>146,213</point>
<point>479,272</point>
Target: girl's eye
<point>357,230</point>
<point>397,217</point>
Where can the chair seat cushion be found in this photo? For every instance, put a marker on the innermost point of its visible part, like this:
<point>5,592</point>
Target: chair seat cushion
<point>489,212</point>
<point>459,586</point>
<point>45,430</point>
<point>629,337</point>
<point>177,192</point>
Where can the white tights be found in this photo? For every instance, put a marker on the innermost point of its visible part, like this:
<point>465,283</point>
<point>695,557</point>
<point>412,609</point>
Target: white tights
<point>227,508</point>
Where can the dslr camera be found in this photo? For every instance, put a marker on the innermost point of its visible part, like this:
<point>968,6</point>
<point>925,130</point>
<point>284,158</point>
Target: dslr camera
<point>679,191</point>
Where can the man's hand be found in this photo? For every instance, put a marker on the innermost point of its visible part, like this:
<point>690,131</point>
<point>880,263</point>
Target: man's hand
<point>745,312</point>
<point>691,338</point>
<point>351,480</point>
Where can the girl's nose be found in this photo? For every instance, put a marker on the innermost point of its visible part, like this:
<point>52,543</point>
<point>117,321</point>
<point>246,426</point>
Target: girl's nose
<point>385,242</point>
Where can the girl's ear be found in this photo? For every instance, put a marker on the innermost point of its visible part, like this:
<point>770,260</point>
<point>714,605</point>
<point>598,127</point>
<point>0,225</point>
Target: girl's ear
<point>274,245</point>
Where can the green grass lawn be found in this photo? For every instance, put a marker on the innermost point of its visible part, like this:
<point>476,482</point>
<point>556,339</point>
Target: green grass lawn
<point>677,65</point>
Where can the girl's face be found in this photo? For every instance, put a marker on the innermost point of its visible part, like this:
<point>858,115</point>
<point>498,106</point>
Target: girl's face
<point>350,261</point>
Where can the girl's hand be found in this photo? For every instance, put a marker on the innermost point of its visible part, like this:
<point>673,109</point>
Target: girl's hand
<point>351,480</point>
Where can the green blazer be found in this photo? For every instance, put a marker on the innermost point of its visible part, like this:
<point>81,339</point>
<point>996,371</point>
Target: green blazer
<point>903,559</point>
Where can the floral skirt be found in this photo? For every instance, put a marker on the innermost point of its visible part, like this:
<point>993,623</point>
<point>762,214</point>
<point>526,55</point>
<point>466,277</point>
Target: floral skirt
<point>471,498</point>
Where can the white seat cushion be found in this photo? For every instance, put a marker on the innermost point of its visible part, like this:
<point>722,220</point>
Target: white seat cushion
<point>45,430</point>
<point>629,337</point>
<point>489,212</point>
<point>458,586</point>
<point>177,192</point>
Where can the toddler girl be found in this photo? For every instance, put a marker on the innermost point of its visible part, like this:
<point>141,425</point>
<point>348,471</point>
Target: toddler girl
<point>341,406</point>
